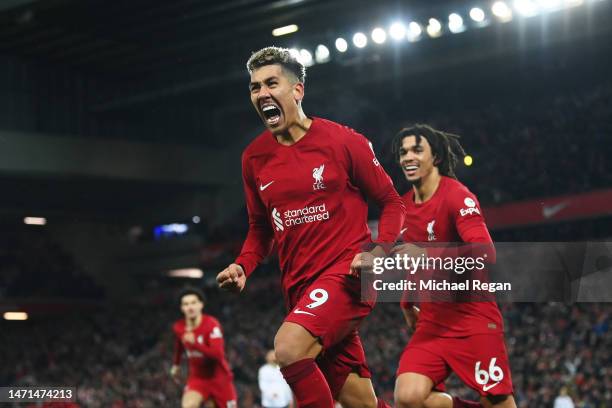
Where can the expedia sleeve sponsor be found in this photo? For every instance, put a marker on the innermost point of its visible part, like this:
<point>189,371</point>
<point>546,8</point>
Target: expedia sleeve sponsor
<point>471,207</point>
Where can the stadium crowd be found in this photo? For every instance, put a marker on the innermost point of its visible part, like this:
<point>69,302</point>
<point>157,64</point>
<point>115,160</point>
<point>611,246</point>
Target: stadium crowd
<point>33,264</point>
<point>526,147</point>
<point>120,357</point>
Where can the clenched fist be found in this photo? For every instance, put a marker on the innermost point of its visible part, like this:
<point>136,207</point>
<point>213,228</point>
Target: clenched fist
<point>232,278</point>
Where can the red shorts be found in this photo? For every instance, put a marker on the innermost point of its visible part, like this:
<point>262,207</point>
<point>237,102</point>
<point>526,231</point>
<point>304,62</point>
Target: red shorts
<point>222,393</point>
<point>331,310</point>
<point>480,360</point>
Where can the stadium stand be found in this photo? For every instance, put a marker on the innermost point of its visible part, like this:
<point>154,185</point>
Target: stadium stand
<point>120,356</point>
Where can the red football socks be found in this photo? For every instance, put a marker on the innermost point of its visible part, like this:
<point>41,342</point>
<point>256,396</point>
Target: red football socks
<point>308,384</point>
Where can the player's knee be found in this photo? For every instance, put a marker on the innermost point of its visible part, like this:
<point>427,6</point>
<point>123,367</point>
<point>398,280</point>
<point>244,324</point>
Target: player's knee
<point>286,354</point>
<point>290,347</point>
<point>409,398</point>
<point>368,404</point>
<point>357,392</point>
<point>411,390</point>
<point>190,404</point>
<point>356,403</point>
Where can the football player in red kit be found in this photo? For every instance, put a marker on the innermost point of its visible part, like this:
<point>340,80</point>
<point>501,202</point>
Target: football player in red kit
<point>466,338</point>
<point>200,336</point>
<point>306,180</point>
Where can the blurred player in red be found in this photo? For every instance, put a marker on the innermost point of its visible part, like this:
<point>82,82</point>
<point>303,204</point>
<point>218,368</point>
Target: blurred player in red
<point>306,181</point>
<point>466,338</point>
<point>199,335</point>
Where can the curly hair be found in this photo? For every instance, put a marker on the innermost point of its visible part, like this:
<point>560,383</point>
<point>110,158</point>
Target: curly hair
<point>445,147</point>
<point>192,291</point>
<point>277,55</point>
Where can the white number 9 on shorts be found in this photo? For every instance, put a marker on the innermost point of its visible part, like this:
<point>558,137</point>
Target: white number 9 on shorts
<point>319,296</point>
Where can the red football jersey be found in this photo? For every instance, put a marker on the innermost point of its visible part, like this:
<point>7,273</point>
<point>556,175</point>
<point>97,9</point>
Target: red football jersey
<point>207,354</point>
<point>310,198</point>
<point>452,214</point>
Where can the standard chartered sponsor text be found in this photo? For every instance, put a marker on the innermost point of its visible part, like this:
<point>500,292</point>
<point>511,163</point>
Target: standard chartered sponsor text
<point>305,215</point>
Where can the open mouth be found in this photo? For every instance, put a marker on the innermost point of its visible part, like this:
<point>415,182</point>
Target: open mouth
<point>271,114</point>
<point>410,169</point>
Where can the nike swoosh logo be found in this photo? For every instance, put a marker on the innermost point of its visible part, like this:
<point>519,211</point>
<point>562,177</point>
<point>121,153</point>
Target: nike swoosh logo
<point>262,188</point>
<point>298,311</point>
<point>486,388</point>
<point>548,212</point>
<point>403,230</point>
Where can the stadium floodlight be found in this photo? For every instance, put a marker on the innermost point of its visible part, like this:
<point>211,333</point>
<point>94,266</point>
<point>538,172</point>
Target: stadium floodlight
<point>455,23</point>
<point>526,8</point>
<point>341,44</point>
<point>321,54</point>
<point>434,28</point>
<point>306,58</point>
<point>477,14</point>
<point>288,29</point>
<point>295,53</point>
<point>550,4</point>
<point>35,221</point>
<point>193,273</point>
<point>379,35</point>
<point>15,316</point>
<point>414,31</point>
<point>170,230</point>
<point>360,40</point>
<point>397,31</point>
<point>501,10</point>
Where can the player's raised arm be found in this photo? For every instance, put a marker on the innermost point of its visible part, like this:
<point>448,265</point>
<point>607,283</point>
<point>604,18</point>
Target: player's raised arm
<point>259,240</point>
<point>368,174</point>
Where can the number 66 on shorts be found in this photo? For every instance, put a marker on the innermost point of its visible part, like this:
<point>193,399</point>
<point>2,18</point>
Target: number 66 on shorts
<point>480,361</point>
<point>494,374</point>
